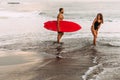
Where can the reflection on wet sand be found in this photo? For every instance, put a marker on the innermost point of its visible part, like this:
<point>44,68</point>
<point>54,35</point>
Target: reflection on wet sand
<point>44,65</point>
<point>59,49</point>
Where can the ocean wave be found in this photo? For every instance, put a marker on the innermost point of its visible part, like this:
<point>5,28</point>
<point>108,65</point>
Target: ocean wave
<point>17,14</point>
<point>110,43</point>
<point>80,16</point>
<point>42,13</point>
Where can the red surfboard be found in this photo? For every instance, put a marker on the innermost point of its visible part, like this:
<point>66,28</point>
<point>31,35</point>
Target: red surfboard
<point>65,26</point>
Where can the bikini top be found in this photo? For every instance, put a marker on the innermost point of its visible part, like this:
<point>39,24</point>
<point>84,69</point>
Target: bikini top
<point>96,24</point>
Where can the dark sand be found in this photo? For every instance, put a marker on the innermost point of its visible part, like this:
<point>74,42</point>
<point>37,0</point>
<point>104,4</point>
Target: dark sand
<point>42,64</point>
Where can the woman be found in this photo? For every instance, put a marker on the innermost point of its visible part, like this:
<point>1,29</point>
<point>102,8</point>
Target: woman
<point>96,26</point>
<point>60,17</point>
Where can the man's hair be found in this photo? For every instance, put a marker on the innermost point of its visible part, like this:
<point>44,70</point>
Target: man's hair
<point>60,9</point>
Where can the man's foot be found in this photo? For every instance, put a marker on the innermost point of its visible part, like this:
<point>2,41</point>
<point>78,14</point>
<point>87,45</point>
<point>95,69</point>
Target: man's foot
<point>94,44</point>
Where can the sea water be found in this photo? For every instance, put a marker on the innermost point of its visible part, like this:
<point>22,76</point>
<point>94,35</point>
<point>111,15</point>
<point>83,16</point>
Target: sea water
<point>23,23</point>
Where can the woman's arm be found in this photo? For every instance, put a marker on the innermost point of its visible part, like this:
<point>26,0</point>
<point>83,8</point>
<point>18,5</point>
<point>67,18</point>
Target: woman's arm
<point>94,22</point>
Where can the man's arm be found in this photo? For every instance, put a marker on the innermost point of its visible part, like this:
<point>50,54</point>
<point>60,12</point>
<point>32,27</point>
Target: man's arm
<point>58,22</point>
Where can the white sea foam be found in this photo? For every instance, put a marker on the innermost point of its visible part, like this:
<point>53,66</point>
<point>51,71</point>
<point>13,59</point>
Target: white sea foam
<point>92,72</point>
<point>109,74</point>
<point>13,14</point>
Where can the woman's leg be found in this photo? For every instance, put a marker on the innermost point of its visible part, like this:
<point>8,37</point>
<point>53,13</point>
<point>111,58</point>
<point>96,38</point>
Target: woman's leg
<point>95,37</point>
<point>94,41</point>
<point>94,32</point>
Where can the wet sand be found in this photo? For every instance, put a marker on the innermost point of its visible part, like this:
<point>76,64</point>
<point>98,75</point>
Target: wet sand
<point>42,64</point>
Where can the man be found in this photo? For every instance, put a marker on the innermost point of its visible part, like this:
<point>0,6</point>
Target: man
<point>60,17</point>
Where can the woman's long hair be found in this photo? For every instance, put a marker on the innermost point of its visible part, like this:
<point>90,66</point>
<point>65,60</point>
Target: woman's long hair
<point>101,17</point>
